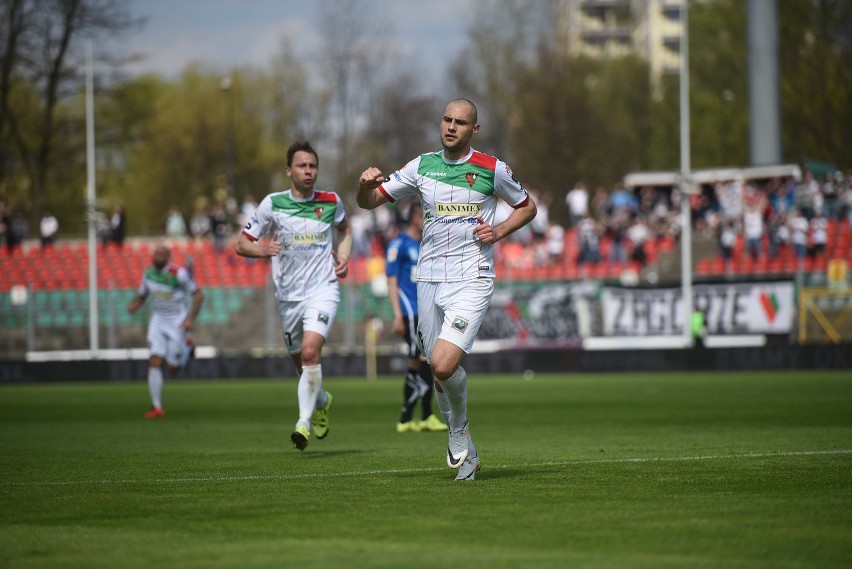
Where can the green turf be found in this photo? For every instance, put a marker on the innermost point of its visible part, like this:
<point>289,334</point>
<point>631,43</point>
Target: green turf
<point>634,470</point>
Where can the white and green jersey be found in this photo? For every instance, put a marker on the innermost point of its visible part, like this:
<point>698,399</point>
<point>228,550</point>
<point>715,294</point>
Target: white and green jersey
<point>305,229</point>
<point>453,194</point>
<point>169,290</point>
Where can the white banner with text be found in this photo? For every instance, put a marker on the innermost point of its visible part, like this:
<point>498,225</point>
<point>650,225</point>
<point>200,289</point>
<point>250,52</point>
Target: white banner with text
<point>729,308</point>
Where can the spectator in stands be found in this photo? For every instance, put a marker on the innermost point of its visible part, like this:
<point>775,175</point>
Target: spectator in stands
<point>17,229</point>
<point>600,203</point>
<point>729,195</point>
<point>617,230</point>
<point>799,234</point>
<point>174,223</point>
<point>360,222</point>
<point>48,227</point>
<point>554,240</point>
<point>753,230</point>
<point>199,223</point>
<point>831,190</point>
<point>104,228</point>
<point>3,223</point>
<point>846,198</point>
<point>577,202</point>
<point>541,221</point>
<point>807,195</point>
<point>246,209</point>
<point>819,234</point>
<point>637,235</point>
<point>589,240</point>
<point>622,199</point>
<point>171,323</point>
<point>781,195</point>
<point>727,240</point>
<point>779,235</point>
<point>118,225</point>
<point>219,226</point>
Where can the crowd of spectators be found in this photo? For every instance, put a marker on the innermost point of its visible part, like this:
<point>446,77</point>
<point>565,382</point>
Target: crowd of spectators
<point>611,226</point>
<point>774,216</point>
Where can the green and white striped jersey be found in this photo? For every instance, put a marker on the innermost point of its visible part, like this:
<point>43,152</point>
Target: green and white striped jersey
<point>305,229</point>
<point>169,290</point>
<point>453,194</point>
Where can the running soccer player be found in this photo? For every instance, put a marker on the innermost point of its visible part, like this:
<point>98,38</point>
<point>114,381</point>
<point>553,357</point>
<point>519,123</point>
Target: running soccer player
<point>171,323</point>
<point>400,269</point>
<point>458,189</point>
<point>295,227</point>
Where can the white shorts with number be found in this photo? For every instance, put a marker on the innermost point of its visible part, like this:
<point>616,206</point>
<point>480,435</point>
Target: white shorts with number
<point>451,311</point>
<point>314,314</point>
<point>166,338</point>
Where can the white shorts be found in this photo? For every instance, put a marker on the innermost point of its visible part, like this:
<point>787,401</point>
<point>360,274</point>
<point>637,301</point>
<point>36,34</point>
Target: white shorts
<point>451,311</point>
<point>314,314</point>
<point>166,339</point>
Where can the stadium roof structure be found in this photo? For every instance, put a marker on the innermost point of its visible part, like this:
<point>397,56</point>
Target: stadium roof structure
<point>712,175</point>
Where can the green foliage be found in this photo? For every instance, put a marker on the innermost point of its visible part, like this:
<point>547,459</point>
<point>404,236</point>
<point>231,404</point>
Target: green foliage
<point>718,81</point>
<point>664,470</point>
<point>815,42</point>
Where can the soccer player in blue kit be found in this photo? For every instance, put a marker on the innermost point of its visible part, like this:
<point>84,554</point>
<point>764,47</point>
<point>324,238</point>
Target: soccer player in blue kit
<point>400,269</point>
<point>458,189</point>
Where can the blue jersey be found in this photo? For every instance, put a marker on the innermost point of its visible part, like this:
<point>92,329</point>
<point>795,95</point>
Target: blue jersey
<point>402,256</point>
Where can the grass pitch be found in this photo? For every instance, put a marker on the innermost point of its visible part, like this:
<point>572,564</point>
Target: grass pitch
<point>635,470</point>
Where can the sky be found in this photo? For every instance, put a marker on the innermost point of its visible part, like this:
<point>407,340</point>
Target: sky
<point>229,33</point>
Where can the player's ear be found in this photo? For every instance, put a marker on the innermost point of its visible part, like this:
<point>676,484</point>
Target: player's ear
<point>475,128</point>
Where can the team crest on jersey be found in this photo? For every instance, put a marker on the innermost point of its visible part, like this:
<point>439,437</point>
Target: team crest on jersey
<point>471,178</point>
<point>323,317</point>
<point>318,211</point>
<point>460,324</point>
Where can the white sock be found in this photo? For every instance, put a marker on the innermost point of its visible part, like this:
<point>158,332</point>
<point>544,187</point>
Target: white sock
<point>155,385</point>
<point>322,398</point>
<point>310,383</point>
<point>455,388</point>
<point>443,405</point>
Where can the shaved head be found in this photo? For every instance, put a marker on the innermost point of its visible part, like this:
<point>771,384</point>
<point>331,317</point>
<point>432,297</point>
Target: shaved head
<point>469,104</point>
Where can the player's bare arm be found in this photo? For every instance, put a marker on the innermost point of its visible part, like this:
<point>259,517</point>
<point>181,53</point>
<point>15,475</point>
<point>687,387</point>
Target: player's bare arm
<point>344,250</point>
<point>197,301</point>
<point>398,326</point>
<point>261,248</point>
<point>518,218</point>
<point>135,304</point>
<point>369,196</point>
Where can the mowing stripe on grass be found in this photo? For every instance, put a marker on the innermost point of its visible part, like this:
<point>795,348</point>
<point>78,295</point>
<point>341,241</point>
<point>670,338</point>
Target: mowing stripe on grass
<point>181,480</point>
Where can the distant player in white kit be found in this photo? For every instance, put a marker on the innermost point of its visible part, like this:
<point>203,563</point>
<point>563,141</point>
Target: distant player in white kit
<point>295,228</point>
<point>169,287</point>
<point>458,189</point>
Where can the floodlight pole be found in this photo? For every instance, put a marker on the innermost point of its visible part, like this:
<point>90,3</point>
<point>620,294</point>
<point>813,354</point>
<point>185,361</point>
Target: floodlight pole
<point>91,202</point>
<point>685,183</point>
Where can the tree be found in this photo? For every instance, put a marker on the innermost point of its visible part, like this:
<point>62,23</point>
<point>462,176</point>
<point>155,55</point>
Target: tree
<point>41,70</point>
<point>815,43</point>
<point>505,38</point>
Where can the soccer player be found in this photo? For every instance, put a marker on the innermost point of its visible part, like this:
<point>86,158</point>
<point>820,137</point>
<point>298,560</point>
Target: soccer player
<point>458,189</point>
<point>295,227</point>
<point>171,322</point>
<point>401,265</point>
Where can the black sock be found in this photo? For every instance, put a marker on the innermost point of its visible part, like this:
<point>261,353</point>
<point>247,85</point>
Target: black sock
<point>409,396</point>
<point>425,376</point>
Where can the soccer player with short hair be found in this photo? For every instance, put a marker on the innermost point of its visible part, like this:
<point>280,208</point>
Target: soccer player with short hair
<point>169,286</point>
<point>458,189</point>
<point>295,227</point>
<point>400,268</point>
